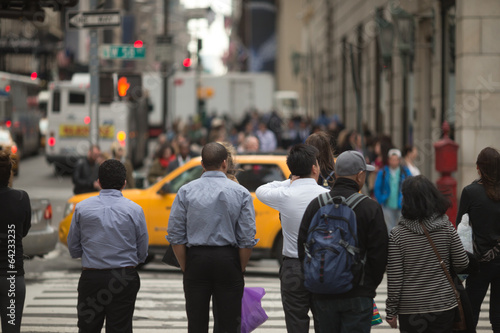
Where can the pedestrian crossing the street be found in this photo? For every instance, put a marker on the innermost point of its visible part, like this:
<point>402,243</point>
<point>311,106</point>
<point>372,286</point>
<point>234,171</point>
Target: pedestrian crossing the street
<point>51,303</point>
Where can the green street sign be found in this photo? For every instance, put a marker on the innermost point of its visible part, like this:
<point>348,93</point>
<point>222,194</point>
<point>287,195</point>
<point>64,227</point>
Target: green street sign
<point>114,51</point>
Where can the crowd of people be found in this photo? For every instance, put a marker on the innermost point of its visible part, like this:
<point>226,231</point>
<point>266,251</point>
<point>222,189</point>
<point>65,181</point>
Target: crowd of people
<point>402,230</point>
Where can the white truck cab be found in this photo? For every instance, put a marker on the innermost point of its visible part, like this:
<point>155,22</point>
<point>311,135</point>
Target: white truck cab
<point>68,117</point>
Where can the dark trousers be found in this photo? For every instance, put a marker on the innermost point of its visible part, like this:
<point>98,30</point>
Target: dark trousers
<point>343,315</point>
<point>435,322</point>
<point>12,295</point>
<point>295,297</point>
<point>107,294</point>
<point>213,272</point>
<point>477,285</point>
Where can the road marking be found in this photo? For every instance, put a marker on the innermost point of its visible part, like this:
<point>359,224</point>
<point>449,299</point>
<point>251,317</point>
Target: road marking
<point>51,305</point>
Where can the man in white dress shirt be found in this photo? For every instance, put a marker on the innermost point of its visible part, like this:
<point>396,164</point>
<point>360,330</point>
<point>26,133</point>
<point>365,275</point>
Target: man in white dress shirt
<point>291,198</point>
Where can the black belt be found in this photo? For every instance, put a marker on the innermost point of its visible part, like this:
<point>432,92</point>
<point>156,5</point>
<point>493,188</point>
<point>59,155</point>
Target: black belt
<point>289,258</point>
<point>104,269</point>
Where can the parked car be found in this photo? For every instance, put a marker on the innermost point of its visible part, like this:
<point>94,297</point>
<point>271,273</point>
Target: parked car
<point>42,236</point>
<point>157,200</point>
<point>7,143</point>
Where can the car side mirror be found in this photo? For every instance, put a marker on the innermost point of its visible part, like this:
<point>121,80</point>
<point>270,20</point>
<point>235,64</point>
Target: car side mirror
<point>164,189</point>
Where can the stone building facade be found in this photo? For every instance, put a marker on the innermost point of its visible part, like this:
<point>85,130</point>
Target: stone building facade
<point>443,64</point>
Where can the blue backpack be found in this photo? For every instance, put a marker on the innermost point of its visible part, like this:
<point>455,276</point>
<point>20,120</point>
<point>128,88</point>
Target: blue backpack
<point>332,263</point>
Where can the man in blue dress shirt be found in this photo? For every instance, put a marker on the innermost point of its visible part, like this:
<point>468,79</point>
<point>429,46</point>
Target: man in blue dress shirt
<point>109,233</point>
<point>212,231</point>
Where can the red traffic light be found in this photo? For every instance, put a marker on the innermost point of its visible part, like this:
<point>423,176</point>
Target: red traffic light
<point>34,75</point>
<point>186,62</point>
<point>7,88</point>
<point>138,43</point>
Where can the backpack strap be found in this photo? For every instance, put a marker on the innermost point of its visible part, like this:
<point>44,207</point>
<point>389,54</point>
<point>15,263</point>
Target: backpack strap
<point>355,199</point>
<point>330,175</point>
<point>324,199</point>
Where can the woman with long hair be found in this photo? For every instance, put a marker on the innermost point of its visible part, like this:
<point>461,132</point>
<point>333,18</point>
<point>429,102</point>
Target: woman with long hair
<point>323,142</point>
<point>15,224</point>
<point>418,292</point>
<point>481,200</point>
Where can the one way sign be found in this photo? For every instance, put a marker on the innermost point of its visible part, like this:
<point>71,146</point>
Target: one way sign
<point>93,19</point>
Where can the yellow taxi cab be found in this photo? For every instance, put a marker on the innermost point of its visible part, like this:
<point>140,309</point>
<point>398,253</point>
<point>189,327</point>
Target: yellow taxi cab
<point>156,201</point>
<point>8,144</point>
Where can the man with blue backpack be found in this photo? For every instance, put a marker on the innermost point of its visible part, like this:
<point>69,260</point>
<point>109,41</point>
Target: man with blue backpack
<point>342,245</point>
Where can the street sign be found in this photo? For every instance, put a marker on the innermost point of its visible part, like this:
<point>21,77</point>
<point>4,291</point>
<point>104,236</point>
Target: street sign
<point>164,51</point>
<point>93,19</point>
<point>116,51</point>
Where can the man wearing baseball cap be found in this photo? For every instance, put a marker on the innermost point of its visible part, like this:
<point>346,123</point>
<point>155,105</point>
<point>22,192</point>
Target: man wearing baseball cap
<point>352,311</point>
<point>387,189</point>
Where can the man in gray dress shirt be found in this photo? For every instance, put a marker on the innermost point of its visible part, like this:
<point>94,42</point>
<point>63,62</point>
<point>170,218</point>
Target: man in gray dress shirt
<point>109,233</point>
<point>212,231</point>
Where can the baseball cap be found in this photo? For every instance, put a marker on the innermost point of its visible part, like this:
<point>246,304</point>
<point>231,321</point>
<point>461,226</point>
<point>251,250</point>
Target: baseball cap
<point>394,151</point>
<point>350,163</point>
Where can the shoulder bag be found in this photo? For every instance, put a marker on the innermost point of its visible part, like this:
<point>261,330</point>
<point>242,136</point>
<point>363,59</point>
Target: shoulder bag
<point>460,323</point>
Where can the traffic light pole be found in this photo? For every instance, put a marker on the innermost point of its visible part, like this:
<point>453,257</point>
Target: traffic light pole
<point>165,70</point>
<point>94,82</point>
<point>199,101</point>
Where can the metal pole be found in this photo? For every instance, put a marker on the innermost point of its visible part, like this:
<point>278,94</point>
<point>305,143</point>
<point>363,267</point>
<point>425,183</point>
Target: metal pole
<point>199,107</point>
<point>357,88</point>
<point>405,99</point>
<point>94,82</point>
<point>164,69</point>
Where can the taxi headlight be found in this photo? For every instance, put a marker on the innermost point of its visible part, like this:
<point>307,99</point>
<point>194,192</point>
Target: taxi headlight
<point>68,209</point>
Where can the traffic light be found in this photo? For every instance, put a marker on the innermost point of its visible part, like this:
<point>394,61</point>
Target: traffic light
<point>129,86</point>
<point>123,86</point>
<point>187,62</point>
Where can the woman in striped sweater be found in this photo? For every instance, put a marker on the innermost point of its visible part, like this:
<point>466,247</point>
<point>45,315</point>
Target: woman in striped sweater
<point>419,292</point>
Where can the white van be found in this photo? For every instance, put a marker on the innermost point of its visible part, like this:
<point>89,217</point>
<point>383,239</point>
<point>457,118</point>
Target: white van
<point>287,104</point>
<point>68,114</point>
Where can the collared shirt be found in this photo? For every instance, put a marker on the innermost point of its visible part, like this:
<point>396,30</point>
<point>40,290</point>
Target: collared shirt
<point>108,231</point>
<point>212,211</point>
<point>267,140</point>
<point>291,200</point>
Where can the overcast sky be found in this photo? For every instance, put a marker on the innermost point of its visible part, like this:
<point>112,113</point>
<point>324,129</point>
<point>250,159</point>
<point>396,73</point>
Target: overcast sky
<point>215,40</point>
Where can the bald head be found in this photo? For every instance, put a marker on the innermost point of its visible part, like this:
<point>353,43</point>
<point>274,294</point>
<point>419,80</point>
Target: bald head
<point>251,143</point>
<point>213,156</point>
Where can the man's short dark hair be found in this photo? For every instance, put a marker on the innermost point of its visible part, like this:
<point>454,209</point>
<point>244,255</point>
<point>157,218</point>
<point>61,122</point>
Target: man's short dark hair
<point>212,155</point>
<point>112,174</point>
<point>301,159</point>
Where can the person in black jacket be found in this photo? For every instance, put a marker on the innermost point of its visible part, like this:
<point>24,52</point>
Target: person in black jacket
<point>15,224</point>
<point>86,172</point>
<point>481,200</point>
<point>353,310</point>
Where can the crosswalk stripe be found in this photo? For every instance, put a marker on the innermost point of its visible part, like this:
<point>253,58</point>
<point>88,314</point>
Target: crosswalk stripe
<point>51,306</point>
